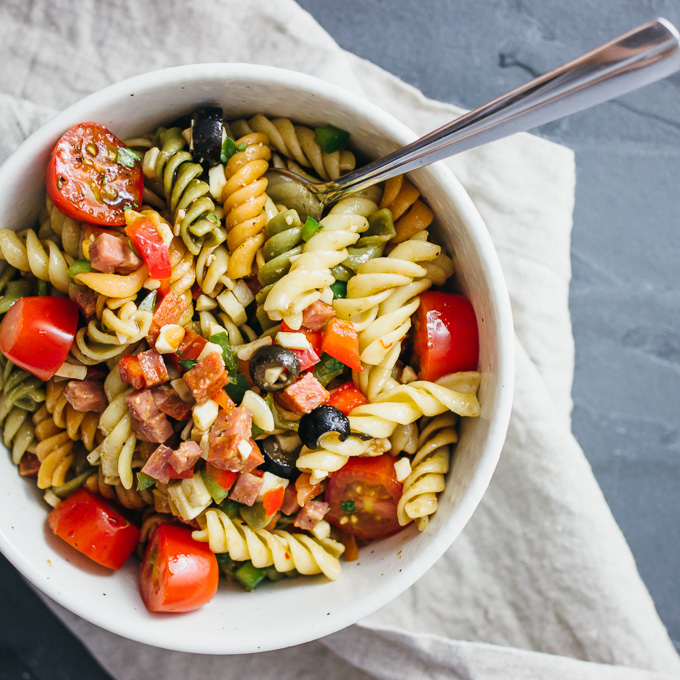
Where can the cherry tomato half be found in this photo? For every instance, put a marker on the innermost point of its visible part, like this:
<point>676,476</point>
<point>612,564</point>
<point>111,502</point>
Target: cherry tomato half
<point>178,574</point>
<point>90,525</point>
<point>446,337</point>
<point>92,176</point>
<point>37,333</point>
<point>363,497</point>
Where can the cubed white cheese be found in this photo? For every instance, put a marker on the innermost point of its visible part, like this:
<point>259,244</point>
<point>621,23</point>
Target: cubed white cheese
<point>205,414</point>
<point>271,481</point>
<point>293,340</point>
<point>408,375</point>
<point>211,348</point>
<point>72,371</point>
<point>322,529</point>
<point>169,338</point>
<point>51,498</point>
<point>317,476</point>
<point>216,180</point>
<point>243,293</point>
<point>232,307</point>
<point>259,410</point>
<point>204,444</point>
<point>244,448</point>
<point>205,303</point>
<point>271,375</point>
<point>402,468</point>
<point>185,434</point>
<point>182,390</point>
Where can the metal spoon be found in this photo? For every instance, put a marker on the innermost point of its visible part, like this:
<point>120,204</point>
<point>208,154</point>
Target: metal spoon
<point>641,56</point>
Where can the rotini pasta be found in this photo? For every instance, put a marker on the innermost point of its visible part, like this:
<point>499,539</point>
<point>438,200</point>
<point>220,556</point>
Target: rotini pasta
<point>79,425</point>
<point>409,212</point>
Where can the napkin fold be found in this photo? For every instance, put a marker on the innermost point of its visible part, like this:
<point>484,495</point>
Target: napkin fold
<point>542,565</point>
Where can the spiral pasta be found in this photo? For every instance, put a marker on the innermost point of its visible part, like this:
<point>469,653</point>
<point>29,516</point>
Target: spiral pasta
<point>80,426</point>
<point>280,549</point>
<point>310,273</point>
<point>410,214</point>
<point>428,469</point>
<point>128,498</point>
<point>114,453</point>
<point>404,404</point>
<point>332,453</point>
<point>25,251</point>
<point>66,228</point>
<point>297,143</point>
<point>244,199</point>
<point>54,449</point>
<point>188,197</point>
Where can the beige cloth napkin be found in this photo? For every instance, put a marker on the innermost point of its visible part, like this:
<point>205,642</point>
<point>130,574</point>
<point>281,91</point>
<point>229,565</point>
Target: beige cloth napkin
<point>542,565</point>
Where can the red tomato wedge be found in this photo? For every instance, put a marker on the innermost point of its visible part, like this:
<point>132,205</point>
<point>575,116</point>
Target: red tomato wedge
<point>92,176</point>
<point>446,338</point>
<point>273,500</point>
<point>341,341</point>
<point>363,497</point>
<point>178,574</point>
<point>90,525</point>
<point>36,334</point>
<point>149,244</point>
<point>347,397</point>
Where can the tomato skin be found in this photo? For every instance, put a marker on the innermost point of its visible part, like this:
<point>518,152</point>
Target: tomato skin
<point>178,574</point>
<point>91,526</point>
<point>92,188</point>
<point>36,334</point>
<point>446,336</point>
<point>347,397</point>
<point>341,341</point>
<point>371,484</point>
<point>149,244</point>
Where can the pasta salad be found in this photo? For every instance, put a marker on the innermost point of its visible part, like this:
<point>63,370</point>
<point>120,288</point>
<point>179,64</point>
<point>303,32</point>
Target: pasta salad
<point>197,372</point>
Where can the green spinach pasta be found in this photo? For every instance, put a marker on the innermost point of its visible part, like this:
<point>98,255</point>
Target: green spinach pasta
<point>189,366</point>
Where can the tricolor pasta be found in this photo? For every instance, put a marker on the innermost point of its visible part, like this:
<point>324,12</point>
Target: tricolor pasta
<point>258,386</point>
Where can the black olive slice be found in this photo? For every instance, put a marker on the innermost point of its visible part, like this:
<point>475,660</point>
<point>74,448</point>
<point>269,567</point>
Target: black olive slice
<point>206,135</point>
<point>321,420</point>
<point>284,362</point>
<point>278,460</point>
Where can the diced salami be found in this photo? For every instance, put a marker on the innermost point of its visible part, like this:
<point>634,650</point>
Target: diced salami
<point>230,446</point>
<point>131,262</point>
<point>290,503</point>
<point>169,311</point>
<point>304,395</point>
<point>29,465</point>
<point>207,377</point>
<point>86,395</point>
<point>311,513</point>
<point>86,300</point>
<point>153,368</point>
<point>106,253</point>
<point>317,315</point>
<point>246,489</point>
<point>148,423</point>
<point>131,372</point>
<point>186,456</point>
<point>158,464</point>
<point>170,403</point>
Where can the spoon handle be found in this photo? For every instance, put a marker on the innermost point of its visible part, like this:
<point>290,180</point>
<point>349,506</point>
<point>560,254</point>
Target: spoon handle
<point>639,57</point>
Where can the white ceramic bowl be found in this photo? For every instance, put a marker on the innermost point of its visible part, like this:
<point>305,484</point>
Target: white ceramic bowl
<point>298,610</point>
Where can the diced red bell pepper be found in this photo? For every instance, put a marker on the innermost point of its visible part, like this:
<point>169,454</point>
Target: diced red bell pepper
<point>222,399</point>
<point>153,368</point>
<point>347,397</point>
<point>196,291</point>
<point>170,310</point>
<point>131,372</point>
<point>225,478</point>
<point>273,500</point>
<point>341,341</point>
<point>149,244</point>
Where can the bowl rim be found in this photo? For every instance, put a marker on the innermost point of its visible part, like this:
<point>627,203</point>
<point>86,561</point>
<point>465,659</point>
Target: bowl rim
<point>479,482</point>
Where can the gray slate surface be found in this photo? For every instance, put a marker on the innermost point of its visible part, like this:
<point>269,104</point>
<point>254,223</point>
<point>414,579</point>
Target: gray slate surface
<point>625,294</point>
